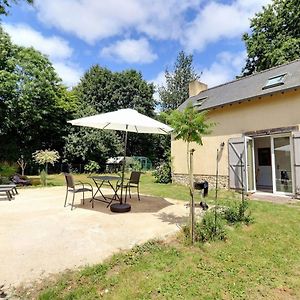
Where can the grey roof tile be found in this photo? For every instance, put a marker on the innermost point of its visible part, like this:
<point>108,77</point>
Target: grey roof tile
<point>247,87</point>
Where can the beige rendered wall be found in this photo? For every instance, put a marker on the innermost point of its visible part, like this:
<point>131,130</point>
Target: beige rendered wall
<point>233,121</point>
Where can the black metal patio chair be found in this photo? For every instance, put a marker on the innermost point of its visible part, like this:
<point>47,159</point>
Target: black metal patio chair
<point>78,187</point>
<point>133,182</point>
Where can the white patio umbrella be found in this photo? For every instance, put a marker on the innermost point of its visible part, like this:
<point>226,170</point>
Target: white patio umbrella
<point>123,120</point>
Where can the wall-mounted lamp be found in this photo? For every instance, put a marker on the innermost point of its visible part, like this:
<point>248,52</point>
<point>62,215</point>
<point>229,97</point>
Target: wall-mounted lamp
<point>222,145</point>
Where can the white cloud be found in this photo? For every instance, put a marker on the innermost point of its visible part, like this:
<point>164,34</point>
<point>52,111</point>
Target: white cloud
<point>159,80</point>
<point>220,21</point>
<point>53,46</point>
<point>68,72</point>
<point>56,48</point>
<point>130,51</point>
<point>92,20</point>
<point>224,69</point>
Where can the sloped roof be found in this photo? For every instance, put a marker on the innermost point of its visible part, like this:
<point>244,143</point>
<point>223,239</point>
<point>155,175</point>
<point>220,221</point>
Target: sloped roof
<point>247,88</point>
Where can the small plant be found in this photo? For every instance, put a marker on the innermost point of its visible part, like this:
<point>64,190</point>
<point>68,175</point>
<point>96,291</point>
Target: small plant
<point>237,213</point>
<point>207,229</point>
<point>45,157</point>
<point>162,173</point>
<point>43,177</point>
<point>92,167</point>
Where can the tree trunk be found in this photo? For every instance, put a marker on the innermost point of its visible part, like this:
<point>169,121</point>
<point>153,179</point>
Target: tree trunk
<point>46,170</point>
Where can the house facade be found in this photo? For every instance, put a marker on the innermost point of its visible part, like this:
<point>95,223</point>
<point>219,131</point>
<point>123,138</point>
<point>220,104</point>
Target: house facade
<point>256,132</point>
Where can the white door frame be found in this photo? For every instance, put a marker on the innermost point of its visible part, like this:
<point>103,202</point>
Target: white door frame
<point>274,167</point>
<point>248,138</point>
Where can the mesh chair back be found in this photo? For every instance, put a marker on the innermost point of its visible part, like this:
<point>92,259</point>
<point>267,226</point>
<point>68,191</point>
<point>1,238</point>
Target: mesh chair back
<point>135,177</point>
<point>69,180</point>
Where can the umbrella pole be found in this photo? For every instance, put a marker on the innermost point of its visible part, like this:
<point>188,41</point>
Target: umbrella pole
<point>123,166</point>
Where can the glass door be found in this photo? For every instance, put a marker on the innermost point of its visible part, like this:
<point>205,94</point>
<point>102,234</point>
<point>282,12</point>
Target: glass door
<point>282,165</point>
<point>250,173</point>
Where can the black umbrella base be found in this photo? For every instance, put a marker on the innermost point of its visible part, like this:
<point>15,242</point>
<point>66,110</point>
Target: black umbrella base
<point>120,208</point>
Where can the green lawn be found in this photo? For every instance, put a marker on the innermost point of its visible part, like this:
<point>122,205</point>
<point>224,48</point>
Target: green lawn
<point>260,261</point>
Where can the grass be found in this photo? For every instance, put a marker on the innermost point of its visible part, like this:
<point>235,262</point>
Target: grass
<point>257,261</point>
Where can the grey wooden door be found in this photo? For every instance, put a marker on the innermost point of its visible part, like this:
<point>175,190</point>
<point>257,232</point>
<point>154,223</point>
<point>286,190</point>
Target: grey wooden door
<point>296,146</point>
<point>236,161</point>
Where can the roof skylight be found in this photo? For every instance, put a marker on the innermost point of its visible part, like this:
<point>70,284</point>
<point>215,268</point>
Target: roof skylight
<point>274,81</point>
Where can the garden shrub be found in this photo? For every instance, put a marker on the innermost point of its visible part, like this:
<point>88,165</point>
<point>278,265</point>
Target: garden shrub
<point>7,170</point>
<point>92,167</point>
<point>162,173</point>
<point>136,166</point>
<point>237,213</point>
<point>207,230</point>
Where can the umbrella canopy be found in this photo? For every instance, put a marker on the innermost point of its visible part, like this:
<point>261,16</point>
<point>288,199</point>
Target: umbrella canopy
<point>123,120</point>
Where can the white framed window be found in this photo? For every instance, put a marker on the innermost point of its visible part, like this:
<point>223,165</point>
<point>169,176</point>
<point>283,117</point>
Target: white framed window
<point>274,81</point>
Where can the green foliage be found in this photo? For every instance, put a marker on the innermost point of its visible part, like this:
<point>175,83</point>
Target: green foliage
<point>105,91</point>
<point>208,230</point>
<point>7,169</point>
<point>92,167</point>
<point>162,173</point>
<point>189,124</point>
<point>88,144</point>
<point>275,36</point>
<point>136,165</point>
<point>34,105</point>
<point>43,177</point>
<point>176,90</point>
<point>237,212</point>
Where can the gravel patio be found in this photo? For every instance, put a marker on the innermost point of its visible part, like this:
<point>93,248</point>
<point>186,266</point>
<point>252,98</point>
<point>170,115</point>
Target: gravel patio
<point>39,236</point>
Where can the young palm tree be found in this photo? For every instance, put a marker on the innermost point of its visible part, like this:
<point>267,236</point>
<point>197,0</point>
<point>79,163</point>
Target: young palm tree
<point>190,125</point>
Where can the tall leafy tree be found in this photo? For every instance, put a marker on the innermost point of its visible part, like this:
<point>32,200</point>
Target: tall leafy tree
<point>106,91</point>
<point>33,103</point>
<point>275,36</point>
<point>176,90</point>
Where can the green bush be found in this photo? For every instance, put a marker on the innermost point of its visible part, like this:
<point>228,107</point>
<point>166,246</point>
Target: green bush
<point>92,167</point>
<point>162,173</point>
<point>237,213</point>
<point>136,166</point>
<point>209,230</point>
<point>8,170</point>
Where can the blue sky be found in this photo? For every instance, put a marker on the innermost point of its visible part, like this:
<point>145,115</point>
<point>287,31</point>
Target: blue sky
<point>145,35</point>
